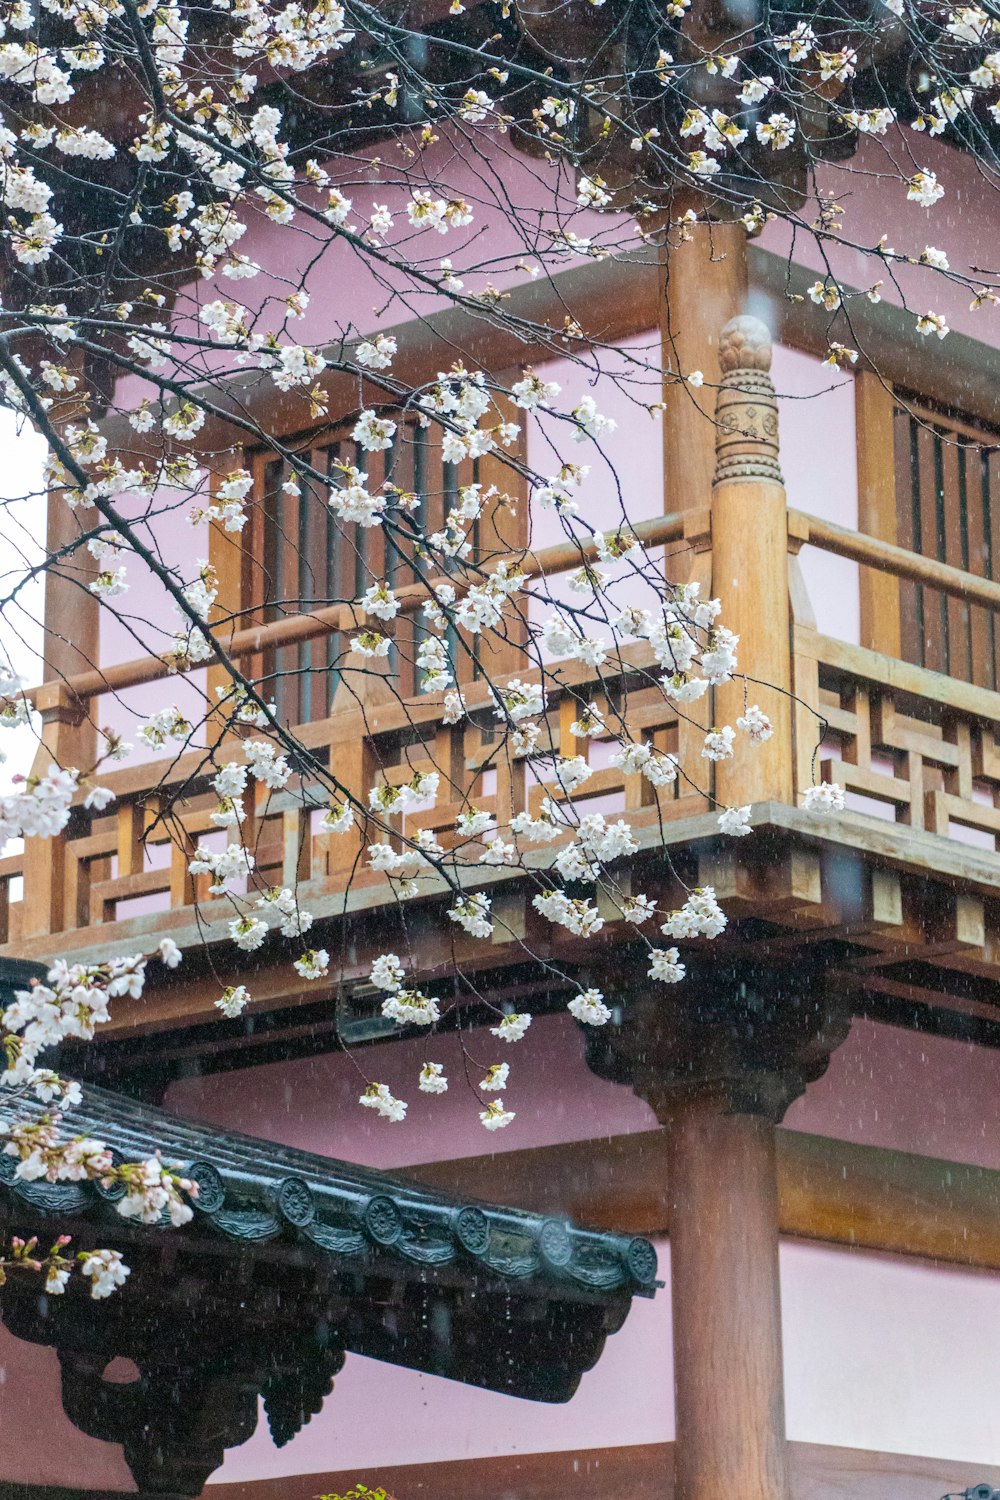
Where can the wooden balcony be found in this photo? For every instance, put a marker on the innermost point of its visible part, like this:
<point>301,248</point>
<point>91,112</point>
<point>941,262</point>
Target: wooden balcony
<point>893,884</point>
<point>895,899</point>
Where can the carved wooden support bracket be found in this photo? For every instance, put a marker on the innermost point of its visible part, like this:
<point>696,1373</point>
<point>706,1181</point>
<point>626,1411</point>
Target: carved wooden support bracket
<point>195,1390</point>
<point>734,1038</point>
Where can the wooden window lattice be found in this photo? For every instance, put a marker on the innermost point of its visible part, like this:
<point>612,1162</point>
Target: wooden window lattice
<point>948,508</point>
<point>311,559</point>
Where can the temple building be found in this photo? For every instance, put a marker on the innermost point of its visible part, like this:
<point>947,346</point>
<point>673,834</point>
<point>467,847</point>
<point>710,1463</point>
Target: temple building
<point>742,1241</point>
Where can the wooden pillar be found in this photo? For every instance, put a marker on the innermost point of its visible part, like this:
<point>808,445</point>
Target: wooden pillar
<point>226,553</point>
<point>719,1066</point>
<point>703,285</point>
<point>728,1380</point>
<point>750,564</point>
<point>71,642</point>
<point>874,409</point>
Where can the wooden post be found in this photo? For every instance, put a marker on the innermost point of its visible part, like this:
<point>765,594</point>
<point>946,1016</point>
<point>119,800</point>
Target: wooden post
<point>750,564</point>
<point>45,858</point>
<point>874,409</point>
<point>71,619</point>
<point>703,285</point>
<point>719,1066</point>
<point>226,553</point>
<point>728,1380</point>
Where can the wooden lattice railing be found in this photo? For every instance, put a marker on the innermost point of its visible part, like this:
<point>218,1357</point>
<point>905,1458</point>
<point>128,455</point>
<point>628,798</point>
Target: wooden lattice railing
<point>916,747</point>
<point>132,860</point>
<point>919,745</point>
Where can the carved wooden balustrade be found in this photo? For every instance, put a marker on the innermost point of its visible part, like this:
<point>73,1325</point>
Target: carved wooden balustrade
<point>911,746</point>
<point>129,864</point>
<point>916,751</point>
<point>914,746</point>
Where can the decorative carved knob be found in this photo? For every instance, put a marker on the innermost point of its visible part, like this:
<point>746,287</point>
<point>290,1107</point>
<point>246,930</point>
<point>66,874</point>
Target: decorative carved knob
<point>744,344</point>
<point>746,410</point>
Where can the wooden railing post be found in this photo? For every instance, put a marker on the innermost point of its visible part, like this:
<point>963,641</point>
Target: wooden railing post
<point>62,714</point>
<point>750,563</point>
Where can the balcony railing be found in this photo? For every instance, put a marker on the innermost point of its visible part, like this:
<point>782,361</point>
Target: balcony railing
<point>911,745</point>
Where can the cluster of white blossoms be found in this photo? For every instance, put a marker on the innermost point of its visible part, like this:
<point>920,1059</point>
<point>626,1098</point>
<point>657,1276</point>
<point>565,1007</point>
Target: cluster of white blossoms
<point>378,1097</point>
<point>153,1191</point>
<point>165,725</point>
<point>224,865</point>
<point>73,1001</point>
<point>40,807</point>
<point>232,159</point>
<point>233,1001</point>
<point>404,1005</point>
<point>700,916</point>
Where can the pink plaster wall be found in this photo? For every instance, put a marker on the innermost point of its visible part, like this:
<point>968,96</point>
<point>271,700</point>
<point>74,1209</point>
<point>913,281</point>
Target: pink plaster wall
<point>381,1415</point>
<point>312,1103</point>
<point>143,621</point>
<point>38,1443</point>
<point>884,1354</point>
<point>818,460</point>
<point>884,1087</point>
<point>894,1088</point>
<point>876,204</point>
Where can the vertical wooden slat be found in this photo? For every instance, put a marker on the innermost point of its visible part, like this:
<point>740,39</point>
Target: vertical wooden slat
<point>512,783</point>
<point>332,538</point>
<point>695,719</point>
<point>297,862</point>
<point>947,478</point>
<point>77,890</point>
<point>908,532</point>
<point>874,407</point>
<point>449,760</point>
<point>181,880</point>
<point>44,875</point>
<point>503,531</point>
<point>253,584</point>
<point>353,765</point>
<point>953,523</point>
<point>989,487</point>
<point>226,555</point>
<point>267,534</point>
<point>933,614</point>
<point>131,822</point>
<point>980,620</point>
<point>288,658</point>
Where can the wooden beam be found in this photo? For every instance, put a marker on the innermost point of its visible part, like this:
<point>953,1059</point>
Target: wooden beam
<point>897,561</point>
<point>833,1191</point>
<point>613,300</point>
<point>641,1471</point>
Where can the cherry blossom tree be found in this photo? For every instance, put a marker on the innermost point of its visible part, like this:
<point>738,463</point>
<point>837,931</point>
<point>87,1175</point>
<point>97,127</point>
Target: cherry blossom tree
<point>185,188</point>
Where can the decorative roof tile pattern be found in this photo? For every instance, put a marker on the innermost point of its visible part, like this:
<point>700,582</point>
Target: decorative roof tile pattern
<point>257,1192</point>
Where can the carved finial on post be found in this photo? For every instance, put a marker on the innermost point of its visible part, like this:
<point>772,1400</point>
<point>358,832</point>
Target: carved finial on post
<point>746,409</point>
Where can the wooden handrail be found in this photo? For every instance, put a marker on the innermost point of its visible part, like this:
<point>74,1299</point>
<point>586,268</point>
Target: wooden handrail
<point>826,535</point>
<point>305,627</point>
<point>873,553</point>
